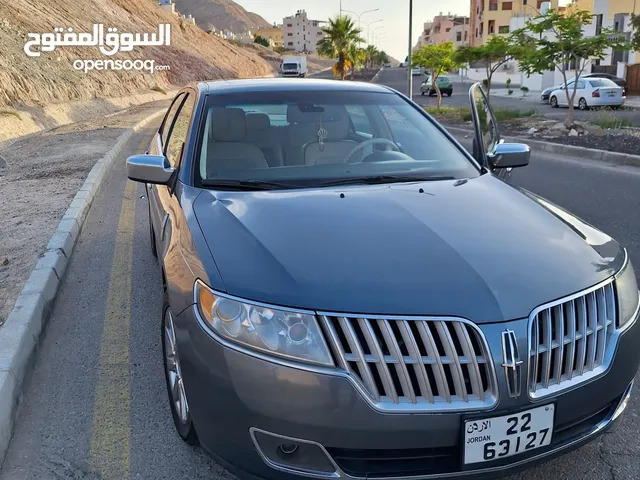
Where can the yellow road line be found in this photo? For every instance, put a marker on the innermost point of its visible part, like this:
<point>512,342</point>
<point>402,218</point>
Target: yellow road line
<point>109,455</point>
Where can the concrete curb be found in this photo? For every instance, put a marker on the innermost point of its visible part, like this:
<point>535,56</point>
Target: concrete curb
<point>20,334</point>
<point>375,77</point>
<point>557,148</point>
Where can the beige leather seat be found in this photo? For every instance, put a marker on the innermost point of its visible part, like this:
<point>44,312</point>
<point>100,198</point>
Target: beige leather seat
<point>303,128</point>
<point>227,149</point>
<point>260,133</point>
<point>336,145</point>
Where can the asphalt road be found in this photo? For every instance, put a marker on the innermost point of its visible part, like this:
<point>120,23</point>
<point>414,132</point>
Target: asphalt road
<point>96,406</point>
<point>397,78</point>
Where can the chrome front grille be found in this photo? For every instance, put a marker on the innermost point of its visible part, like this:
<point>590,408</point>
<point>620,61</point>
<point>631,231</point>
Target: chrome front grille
<point>409,364</point>
<point>571,341</point>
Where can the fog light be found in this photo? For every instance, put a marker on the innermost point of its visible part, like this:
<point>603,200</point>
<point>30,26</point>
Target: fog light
<point>293,455</point>
<point>288,448</point>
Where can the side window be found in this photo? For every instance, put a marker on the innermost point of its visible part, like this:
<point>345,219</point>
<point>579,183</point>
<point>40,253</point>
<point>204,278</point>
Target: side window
<point>179,131</point>
<point>168,119</point>
<point>359,119</point>
<point>580,85</point>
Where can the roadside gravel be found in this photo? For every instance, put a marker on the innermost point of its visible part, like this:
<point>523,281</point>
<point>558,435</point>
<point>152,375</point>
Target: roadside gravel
<point>43,173</point>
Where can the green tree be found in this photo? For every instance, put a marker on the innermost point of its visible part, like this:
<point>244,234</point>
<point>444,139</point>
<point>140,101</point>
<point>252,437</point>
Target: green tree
<point>371,53</point>
<point>556,40</point>
<point>494,53</point>
<point>437,59</point>
<point>261,41</point>
<point>635,36</point>
<point>356,58</point>
<point>340,34</point>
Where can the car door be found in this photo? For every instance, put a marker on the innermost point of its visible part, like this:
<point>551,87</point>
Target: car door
<point>168,202</point>
<point>158,147</point>
<point>581,92</point>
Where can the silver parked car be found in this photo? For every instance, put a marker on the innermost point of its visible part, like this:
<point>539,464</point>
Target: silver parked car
<point>349,294</point>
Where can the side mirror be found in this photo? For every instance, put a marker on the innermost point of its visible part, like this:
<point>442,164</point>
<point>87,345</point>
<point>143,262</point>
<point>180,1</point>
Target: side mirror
<point>149,169</point>
<point>487,135</point>
<point>509,155</point>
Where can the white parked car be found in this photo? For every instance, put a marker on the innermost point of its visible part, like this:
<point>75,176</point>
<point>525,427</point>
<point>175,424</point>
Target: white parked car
<point>416,71</point>
<point>590,92</point>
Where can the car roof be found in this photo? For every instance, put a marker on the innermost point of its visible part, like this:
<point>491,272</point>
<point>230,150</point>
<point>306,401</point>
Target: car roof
<point>287,84</point>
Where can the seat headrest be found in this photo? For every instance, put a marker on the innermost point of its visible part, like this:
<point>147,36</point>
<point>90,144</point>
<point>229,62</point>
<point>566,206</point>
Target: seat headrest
<point>257,121</point>
<point>228,124</point>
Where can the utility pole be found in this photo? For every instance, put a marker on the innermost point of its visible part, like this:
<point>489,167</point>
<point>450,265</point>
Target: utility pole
<point>409,74</point>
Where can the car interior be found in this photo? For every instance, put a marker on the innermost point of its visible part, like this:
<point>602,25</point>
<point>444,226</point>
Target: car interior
<point>303,140</point>
<point>239,139</point>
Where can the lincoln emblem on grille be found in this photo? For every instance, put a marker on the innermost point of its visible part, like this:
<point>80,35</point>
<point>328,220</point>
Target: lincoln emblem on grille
<point>511,362</point>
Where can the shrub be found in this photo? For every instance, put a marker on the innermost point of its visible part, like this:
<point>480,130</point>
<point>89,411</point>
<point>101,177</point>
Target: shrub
<point>524,90</point>
<point>608,119</point>
<point>485,83</point>
<point>508,83</point>
<point>159,90</point>
<point>509,91</point>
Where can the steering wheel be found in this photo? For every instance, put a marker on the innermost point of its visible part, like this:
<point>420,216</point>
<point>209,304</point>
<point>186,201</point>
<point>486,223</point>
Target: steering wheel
<point>366,143</point>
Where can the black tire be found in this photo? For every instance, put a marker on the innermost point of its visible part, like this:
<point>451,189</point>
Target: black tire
<point>152,235</point>
<point>553,101</point>
<point>582,104</point>
<point>422,93</point>
<point>431,93</point>
<point>185,429</point>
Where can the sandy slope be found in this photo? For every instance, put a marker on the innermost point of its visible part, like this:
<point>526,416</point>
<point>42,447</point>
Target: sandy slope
<point>192,55</point>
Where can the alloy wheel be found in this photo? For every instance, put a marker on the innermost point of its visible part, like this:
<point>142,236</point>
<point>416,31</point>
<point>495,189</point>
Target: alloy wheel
<point>582,104</point>
<point>173,371</point>
<point>553,102</point>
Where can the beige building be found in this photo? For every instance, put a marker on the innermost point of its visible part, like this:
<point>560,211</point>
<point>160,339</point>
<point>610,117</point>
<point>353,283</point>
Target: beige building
<point>493,17</point>
<point>273,34</point>
<point>445,28</point>
<point>300,33</point>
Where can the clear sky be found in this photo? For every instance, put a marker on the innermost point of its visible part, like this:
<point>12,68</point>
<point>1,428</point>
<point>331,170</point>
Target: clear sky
<point>394,36</point>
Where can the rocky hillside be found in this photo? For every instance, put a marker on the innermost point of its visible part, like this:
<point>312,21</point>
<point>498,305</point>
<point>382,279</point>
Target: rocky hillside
<point>222,14</point>
<point>37,81</point>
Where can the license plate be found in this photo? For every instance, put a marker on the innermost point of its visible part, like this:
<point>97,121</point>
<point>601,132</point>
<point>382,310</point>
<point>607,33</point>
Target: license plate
<point>612,94</point>
<point>494,438</point>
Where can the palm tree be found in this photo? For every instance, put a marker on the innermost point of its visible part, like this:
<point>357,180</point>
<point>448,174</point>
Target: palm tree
<point>371,52</point>
<point>340,35</point>
<point>355,58</point>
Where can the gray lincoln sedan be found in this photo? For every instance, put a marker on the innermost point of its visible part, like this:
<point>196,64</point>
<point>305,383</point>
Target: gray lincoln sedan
<point>349,294</point>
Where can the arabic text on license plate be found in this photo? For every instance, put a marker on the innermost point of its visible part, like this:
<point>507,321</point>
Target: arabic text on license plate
<point>494,438</point>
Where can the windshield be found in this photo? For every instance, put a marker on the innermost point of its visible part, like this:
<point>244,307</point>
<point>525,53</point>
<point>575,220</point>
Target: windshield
<point>306,138</point>
<point>290,66</point>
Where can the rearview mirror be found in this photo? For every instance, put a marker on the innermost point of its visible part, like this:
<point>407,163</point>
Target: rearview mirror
<point>149,169</point>
<point>509,155</point>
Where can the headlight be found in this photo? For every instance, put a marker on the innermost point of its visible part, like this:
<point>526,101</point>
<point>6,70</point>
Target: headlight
<point>290,335</point>
<point>627,290</point>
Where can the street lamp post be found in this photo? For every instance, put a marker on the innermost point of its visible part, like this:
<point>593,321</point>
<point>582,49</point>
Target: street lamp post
<point>373,31</point>
<point>369,28</point>
<point>360,15</point>
<point>409,74</point>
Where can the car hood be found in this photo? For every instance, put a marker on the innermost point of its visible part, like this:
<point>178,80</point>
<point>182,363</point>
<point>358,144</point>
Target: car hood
<point>478,249</point>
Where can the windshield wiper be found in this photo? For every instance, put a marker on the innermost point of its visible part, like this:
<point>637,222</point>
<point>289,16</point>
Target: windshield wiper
<point>381,179</point>
<point>248,185</point>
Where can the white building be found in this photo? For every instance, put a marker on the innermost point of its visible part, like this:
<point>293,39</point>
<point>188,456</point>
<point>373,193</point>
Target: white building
<point>168,5</point>
<point>301,34</point>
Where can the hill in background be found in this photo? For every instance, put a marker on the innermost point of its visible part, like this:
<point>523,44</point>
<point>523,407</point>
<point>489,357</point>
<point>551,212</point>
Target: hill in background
<point>50,78</point>
<point>222,14</point>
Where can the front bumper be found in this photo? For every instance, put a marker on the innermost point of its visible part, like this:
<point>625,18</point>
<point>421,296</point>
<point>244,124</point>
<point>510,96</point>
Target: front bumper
<point>232,395</point>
